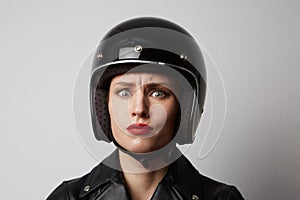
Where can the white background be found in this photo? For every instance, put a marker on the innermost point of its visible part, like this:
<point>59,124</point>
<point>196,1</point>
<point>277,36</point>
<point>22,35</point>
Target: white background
<point>256,45</point>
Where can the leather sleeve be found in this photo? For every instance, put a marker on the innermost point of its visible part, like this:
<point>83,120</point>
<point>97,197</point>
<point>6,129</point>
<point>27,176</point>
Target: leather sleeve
<point>234,194</point>
<point>60,193</point>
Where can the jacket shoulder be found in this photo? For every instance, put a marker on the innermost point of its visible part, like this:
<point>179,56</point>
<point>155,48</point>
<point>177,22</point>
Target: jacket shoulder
<point>213,189</point>
<point>68,190</point>
<point>78,188</point>
<point>188,178</point>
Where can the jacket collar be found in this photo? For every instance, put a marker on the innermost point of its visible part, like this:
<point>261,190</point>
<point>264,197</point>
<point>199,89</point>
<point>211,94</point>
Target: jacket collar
<point>181,176</point>
<point>102,174</point>
<point>185,178</point>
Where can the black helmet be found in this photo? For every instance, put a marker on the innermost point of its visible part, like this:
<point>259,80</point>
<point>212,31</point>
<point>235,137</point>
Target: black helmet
<point>154,41</point>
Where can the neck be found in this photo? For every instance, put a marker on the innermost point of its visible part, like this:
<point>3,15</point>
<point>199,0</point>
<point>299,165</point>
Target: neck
<point>141,182</point>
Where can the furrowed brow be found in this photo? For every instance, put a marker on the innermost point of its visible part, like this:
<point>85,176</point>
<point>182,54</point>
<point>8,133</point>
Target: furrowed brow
<point>128,84</point>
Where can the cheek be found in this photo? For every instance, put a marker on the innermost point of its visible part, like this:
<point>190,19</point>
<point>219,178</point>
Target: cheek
<point>119,115</point>
<point>171,112</point>
<point>158,116</point>
<point>118,110</point>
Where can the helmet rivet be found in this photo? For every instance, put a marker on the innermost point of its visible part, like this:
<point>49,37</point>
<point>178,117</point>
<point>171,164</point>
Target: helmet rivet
<point>183,57</point>
<point>99,56</point>
<point>138,48</point>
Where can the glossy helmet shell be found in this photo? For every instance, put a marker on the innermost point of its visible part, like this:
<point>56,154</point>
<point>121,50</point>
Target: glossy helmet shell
<point>148,40</point>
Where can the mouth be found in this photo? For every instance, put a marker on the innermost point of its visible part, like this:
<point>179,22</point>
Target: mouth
<point>139,129</point>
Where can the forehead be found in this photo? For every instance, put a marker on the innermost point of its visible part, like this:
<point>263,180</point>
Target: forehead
<point>144,78</point>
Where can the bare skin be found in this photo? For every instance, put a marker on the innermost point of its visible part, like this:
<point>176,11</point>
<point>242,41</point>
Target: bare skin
<point>141,186</point>
<point>135,99</point>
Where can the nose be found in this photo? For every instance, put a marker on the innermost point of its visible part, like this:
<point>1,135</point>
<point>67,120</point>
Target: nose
<point>139,105</point>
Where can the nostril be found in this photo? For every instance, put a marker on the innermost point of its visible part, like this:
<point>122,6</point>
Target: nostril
<point>142,114</point>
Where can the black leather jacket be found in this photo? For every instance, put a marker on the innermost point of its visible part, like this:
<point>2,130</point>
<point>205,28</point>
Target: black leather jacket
<point>182,181</point>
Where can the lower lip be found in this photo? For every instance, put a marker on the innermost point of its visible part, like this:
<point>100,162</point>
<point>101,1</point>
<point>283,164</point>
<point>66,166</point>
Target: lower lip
<point>139,130</point>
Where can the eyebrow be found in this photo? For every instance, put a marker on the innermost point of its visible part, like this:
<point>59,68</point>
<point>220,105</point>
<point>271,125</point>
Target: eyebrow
<point>130,84</point>
<point>159,84</point>
<point>125,84</point>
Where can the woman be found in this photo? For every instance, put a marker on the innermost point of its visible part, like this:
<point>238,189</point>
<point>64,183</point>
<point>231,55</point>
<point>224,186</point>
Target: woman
<point>147,92</point>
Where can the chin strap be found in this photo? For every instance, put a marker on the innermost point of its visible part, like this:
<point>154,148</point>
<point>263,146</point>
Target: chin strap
<point>167,153</point>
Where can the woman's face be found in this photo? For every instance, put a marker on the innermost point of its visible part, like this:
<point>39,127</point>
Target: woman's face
<point>143,110</point>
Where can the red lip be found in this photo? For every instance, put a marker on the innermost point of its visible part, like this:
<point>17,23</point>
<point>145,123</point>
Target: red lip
<point>139,129</point>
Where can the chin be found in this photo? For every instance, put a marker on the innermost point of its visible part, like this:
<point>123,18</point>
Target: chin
<point>140,147</point>
<point>143,148</point>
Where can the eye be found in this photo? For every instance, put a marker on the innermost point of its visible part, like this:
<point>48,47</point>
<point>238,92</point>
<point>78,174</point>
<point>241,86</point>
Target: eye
<point>123,93</point>
<point>158,93</point>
